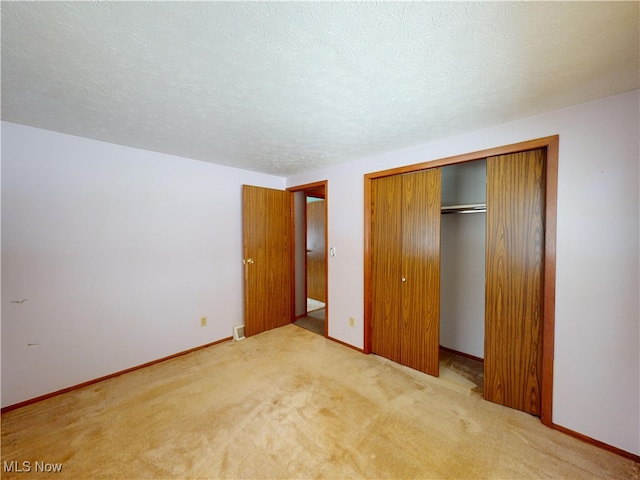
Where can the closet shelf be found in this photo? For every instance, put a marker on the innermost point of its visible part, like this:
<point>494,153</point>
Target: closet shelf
<point>467,208</point>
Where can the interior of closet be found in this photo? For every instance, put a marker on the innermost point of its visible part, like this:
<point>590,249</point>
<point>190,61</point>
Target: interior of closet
<point>462,270</point>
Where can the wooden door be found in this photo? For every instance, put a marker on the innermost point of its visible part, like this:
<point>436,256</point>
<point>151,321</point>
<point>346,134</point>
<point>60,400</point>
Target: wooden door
<point>266,221</point>
<point>514,280</point>
<point>421,270</point>
<point>316,287</point>
<point>405,270</point>
<point>386,266</point>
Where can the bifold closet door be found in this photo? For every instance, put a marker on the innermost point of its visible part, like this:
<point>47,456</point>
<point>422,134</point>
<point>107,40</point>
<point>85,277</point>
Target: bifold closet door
<point>514,280</point>
<point>386,271</point>
<point>405,280</point>
<point>422,205</point>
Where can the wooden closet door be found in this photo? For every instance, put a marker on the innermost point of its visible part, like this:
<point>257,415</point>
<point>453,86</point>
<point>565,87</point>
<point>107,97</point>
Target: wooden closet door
<point>514,280</point>
<point>386,266</point>
<point>421,270</point>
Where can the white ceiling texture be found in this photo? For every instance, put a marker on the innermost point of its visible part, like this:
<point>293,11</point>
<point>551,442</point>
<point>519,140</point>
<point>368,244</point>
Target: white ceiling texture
<point>290,87</point>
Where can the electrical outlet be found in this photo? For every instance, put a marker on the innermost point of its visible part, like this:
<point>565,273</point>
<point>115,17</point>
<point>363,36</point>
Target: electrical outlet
<point>203,321</point>
<point>352,322</point>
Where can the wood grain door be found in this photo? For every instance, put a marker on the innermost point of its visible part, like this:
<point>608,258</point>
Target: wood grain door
<point>386,266</point>
<point>421,270</point>
<point>514,280</point>
<point>316,287</point>
<point>266,221</point>
<point>405,270</point>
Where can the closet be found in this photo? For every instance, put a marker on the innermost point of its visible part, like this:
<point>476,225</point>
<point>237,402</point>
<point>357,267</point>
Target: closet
<point>462,258</point>
<point>407,266</point>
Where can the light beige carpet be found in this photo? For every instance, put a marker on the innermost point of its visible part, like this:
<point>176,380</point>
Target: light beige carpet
<point>290,404</point>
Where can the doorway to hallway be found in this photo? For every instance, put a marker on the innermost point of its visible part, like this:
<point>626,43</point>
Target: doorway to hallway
<point>310,252</point>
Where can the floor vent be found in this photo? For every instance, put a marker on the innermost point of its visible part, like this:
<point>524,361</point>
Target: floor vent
<point>238,332</point>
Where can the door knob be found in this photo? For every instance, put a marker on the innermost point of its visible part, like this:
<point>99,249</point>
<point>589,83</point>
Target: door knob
<point>404,279</point>
<point>249,261</point>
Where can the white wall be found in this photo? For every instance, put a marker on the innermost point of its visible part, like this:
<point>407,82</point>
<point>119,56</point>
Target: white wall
<point>118,253</point>
<point>597,338</point>
<point>462,282</point>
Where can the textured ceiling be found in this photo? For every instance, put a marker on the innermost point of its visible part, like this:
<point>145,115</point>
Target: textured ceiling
<point>285,88</point>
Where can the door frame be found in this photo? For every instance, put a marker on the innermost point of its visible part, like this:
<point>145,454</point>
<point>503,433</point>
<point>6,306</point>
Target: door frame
<point>310,189</point>
<point>550,144</point>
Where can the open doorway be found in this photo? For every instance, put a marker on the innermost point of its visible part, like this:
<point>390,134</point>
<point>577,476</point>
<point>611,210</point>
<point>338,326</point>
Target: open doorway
<point>462,273</point>
<point>310,251</point>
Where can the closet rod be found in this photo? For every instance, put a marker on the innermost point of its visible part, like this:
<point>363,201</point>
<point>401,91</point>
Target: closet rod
<point>469,208</point>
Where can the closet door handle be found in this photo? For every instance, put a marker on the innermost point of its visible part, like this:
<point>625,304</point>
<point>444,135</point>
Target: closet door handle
<point>404,279</point>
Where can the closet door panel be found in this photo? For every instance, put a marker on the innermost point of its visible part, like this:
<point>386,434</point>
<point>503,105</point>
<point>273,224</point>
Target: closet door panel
<point>386,243</point>
<point>421,270</point>
<point>514,280</point>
